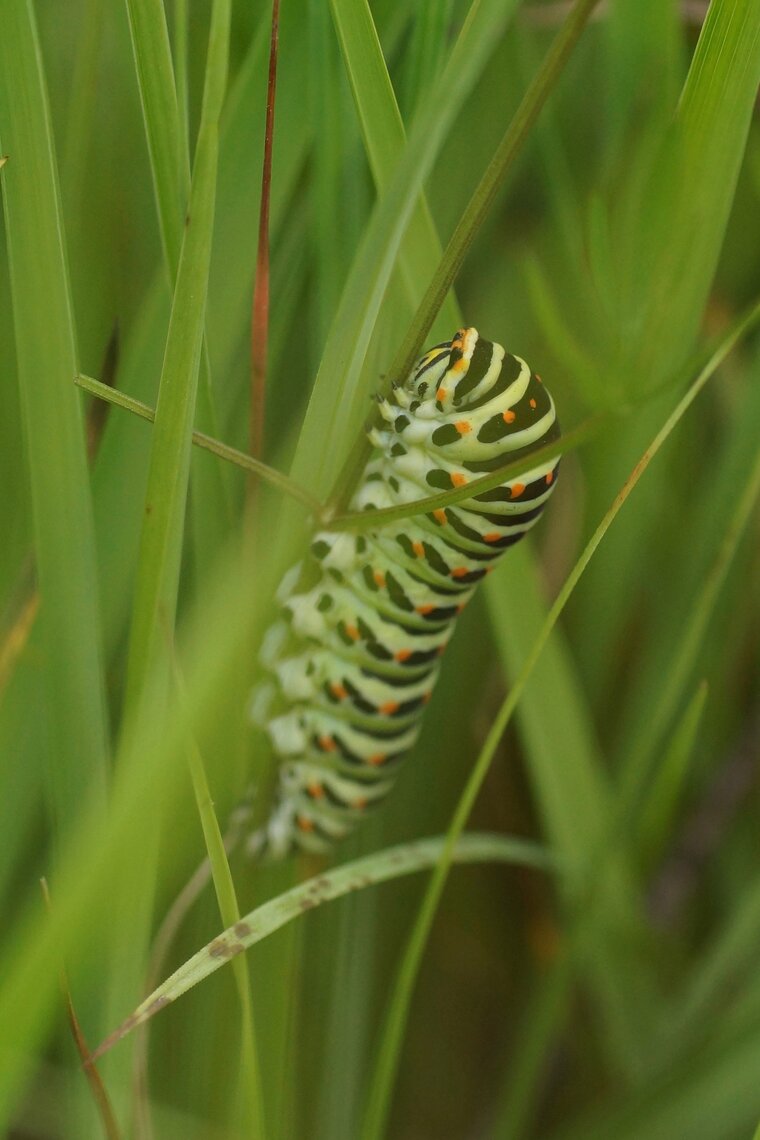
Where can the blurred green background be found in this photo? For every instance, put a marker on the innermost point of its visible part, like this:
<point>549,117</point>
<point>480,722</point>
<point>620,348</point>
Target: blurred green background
<point>616,997</point>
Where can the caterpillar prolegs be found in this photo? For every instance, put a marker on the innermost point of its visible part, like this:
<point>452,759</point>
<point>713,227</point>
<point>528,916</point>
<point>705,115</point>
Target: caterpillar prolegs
<point>354,657</point>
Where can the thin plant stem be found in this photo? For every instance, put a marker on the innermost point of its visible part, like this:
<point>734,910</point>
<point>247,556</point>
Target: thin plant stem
<point>260,313</point>
<point>207,442</point>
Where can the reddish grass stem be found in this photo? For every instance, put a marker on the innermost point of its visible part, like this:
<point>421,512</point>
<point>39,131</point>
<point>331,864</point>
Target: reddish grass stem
<point>260,311</point>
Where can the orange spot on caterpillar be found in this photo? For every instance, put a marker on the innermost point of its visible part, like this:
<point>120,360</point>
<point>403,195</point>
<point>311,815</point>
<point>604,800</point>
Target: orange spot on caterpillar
<point>316,791</point>
<point>508,416</point>
<point>353,632</point>
<point>425,609</point>
<point>425,698</point>
<point>441,650</point>
<point>440,516</point>
<point>419,549</point>
<point>460,608</point>
<point>463,426</point>
<point>516,490</point>
<point>492,536</point>
<point>379,578</point>
<point>490,569</point>
<point>377,759</point>
<point>338,690</point>
<point>403,655</point>
<point>440,395</point>
<point>460,364</point>
<point>459,572</point>
<point>458,479</point>
<point>327,744</point>
<point>549,477</point>
<point>360,803</point>
<point>389,708</point>
<point>304,823</point>
<point>532,402</point>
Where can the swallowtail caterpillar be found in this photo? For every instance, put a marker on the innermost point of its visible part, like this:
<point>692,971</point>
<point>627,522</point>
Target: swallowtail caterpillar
<point>352,661</point>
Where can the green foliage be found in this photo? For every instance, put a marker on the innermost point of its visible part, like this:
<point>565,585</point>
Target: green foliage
<point>616,997</point>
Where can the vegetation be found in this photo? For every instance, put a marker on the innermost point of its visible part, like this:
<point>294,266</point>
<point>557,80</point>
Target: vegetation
<point>592,745</point>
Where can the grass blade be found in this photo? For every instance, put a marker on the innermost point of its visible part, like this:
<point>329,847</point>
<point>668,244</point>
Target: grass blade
<point>384,139</point>
<point>165,115</point>
<point>229,911</point>
<point>161,543</point>
<point>158,95</point>
<point>666,789</point>
<point>47,359</point>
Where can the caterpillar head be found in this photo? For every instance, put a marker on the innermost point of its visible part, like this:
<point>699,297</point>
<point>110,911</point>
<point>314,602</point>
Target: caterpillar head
<point>453,374</point>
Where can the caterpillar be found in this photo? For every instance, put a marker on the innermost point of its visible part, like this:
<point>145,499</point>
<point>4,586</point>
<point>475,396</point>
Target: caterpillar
<point>352,661</point>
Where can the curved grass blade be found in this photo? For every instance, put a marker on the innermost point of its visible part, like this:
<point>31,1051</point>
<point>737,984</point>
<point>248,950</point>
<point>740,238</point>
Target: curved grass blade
<point>270,916</point>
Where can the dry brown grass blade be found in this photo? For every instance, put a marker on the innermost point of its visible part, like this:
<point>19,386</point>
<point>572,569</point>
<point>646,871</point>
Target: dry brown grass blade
<point>98,1090</point>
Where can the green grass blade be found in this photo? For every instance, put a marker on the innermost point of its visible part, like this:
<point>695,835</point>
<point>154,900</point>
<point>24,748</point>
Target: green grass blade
<point>695,187</point>
<point>163,126</point>
<point>163,523</point>
<point>47,359</point>
<point>680,664</point>
<point>181,29</point>
<point>400,1000</point>
<point>427,50</point>
<point>702,533</point>
<point>150,778</point>
<point>165,114</point>
<point>665,793</point>
<point>675,224</point>
<point>384,138</point>
<point>252,1111</point>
